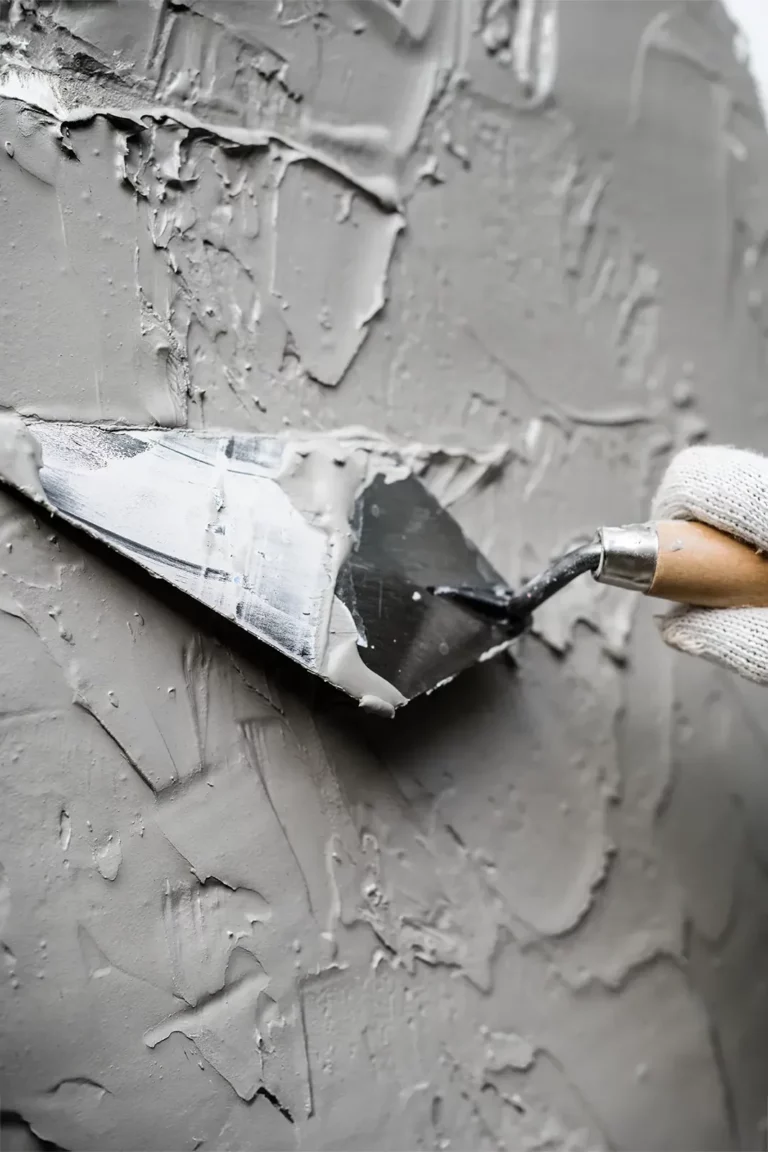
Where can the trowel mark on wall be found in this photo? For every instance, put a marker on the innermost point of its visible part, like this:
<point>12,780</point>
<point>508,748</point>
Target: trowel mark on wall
<point>204,925</point>
<point>100,346</point>
<point>214,939</point>
<point>253,1042</point>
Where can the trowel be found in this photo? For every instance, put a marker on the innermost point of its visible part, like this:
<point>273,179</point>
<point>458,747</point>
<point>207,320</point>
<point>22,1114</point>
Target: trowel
<point>324,547</point>
<point>329,549</point>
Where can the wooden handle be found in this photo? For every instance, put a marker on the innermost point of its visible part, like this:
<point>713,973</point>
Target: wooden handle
<point>700,565</point>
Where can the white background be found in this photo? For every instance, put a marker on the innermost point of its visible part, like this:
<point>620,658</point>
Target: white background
<point>752,17</point>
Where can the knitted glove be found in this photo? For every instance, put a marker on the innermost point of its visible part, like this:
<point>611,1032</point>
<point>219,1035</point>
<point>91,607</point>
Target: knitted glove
<point>727,488</point>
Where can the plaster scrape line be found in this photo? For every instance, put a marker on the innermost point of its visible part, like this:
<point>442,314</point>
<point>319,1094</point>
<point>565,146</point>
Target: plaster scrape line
<point>40,90</point>
<point>253,739</point>
<point>81,702</point>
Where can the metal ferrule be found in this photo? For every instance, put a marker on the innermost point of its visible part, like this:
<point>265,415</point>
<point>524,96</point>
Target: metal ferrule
<point>629,558</point>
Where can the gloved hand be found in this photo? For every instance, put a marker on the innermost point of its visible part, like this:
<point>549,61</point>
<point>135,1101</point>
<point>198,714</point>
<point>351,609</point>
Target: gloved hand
<point>728,488</point>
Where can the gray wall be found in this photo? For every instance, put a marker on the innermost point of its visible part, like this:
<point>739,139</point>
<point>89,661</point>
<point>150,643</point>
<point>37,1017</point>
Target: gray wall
<point>531,910</point>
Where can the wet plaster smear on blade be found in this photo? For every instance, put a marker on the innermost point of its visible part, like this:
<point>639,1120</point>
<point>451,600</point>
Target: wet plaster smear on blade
<point>529,912</point>
<point>280,535</point>
<point>261,526</point>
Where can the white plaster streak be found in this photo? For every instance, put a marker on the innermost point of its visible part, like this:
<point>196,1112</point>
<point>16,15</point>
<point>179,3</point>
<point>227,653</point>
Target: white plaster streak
<point>535,49</point>
<point>648,39</point>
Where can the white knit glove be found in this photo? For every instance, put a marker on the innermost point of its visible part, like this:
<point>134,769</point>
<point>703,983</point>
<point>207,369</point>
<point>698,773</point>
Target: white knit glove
<point>727,488</point>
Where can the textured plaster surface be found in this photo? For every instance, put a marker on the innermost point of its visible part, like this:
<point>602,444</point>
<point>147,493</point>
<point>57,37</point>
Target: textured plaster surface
<point>532,911</point>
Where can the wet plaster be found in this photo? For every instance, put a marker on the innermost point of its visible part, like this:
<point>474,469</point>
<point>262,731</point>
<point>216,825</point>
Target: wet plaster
<point>531,910</point>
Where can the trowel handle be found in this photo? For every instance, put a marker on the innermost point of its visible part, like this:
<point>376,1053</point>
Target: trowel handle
<point>684,561</point>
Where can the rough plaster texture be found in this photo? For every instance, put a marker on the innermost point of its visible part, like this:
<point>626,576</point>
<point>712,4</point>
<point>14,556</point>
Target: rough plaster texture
<point>532,911</point>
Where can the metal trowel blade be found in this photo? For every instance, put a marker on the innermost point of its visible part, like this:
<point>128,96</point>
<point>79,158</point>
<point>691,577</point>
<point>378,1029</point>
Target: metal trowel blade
<point>339,587</point>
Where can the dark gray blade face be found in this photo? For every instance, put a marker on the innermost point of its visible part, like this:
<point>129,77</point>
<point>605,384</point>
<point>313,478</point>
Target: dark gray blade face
<point>408,543</point>
<point>276,535</point>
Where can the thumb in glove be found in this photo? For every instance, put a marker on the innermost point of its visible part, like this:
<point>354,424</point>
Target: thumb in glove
<point>727,488</point>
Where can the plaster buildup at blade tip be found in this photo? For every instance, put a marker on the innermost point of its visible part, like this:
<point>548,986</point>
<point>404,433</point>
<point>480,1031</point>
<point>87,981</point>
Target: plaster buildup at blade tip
<point>323,548</point>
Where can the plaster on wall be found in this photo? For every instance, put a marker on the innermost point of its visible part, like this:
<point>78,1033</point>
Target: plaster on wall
<point>531,911</point>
